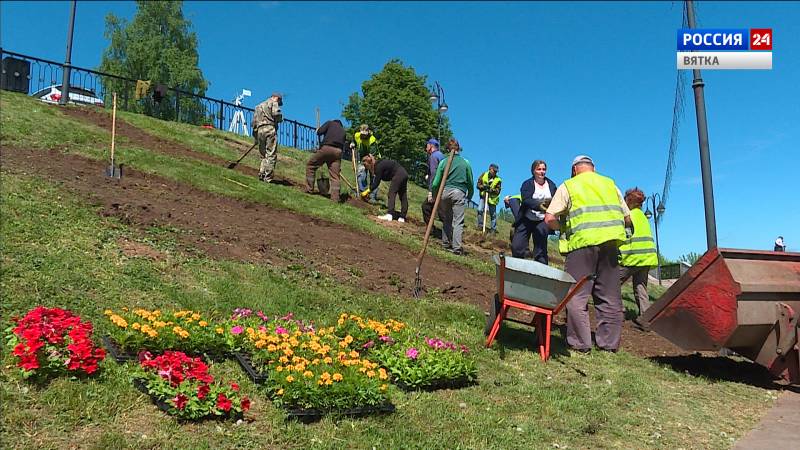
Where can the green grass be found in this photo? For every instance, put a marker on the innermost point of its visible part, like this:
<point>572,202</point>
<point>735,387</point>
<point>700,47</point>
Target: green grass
<point>28,123</point>
<point>57,251</point>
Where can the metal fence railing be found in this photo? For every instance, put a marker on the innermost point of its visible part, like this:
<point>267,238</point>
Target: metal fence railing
<point>179,105</point>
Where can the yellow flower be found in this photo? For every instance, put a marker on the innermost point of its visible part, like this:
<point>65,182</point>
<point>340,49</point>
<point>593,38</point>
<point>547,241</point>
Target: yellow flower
<point>279,369</point>
<point>308,374</point>
<point>337,377</point>
<point>283,359</point>
<point>383,387</point>
<point>371,373</point>
<point>219,330</point>
<point>203,323</point>
<point>136,326</point>
<point>325,376</point>
<point>328,382</point>
<point>382,374</point>
<point>342,344</point>
<point>196,316</point>
<point>327,360</point>
<point>289,378</point>
<point>280,391</point>
<point>348,339</point>
<point>108,312</point>
<point>271,348</point>
<point>353,354</point>
<point>261,344</point>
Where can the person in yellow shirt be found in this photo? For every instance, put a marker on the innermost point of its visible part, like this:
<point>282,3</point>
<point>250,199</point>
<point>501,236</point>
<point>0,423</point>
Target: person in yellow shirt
<point>638,254</point>
<point>596,220</point>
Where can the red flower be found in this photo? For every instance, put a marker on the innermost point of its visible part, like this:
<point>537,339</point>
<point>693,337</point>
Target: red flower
<point>245,404</point>
<point>59,337</point>
<point>202,391</point>
<point>180,401</point>
<point>223,402</point>
<point>235,387</point>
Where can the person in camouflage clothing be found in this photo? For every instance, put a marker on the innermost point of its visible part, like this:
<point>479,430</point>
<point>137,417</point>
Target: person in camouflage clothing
<point>266,118</point>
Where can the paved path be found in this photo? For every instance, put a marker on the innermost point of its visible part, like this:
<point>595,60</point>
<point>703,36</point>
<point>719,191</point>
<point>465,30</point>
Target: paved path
<point>779,429</point>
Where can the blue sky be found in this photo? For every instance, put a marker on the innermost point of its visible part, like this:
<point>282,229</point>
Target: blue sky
<point>524,81</point>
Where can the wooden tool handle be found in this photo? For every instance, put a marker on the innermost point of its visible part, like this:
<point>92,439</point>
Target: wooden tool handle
<point>113,124</point>
<point>435,209</point>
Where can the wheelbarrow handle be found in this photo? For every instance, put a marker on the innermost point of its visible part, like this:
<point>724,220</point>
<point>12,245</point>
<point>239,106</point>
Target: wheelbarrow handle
<point>574,290</point>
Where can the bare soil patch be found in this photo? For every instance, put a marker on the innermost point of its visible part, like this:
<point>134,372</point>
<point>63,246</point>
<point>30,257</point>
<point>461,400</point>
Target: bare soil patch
<point>228,228</point>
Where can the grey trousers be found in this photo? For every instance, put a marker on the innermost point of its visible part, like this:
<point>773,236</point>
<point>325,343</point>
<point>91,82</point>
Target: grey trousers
<point>268,147</point>
<point>453,204</point>
<point>639,278</point>
<point>600,260</point>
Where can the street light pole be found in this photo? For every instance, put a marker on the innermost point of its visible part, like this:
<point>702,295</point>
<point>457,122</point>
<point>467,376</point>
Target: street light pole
<point>657,212</point>
<point>437,95</point>
<point>68,63</point>
<point>702,135</point>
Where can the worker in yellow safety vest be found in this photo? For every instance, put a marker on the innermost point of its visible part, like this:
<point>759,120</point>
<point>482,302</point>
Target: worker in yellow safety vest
<point>596,216</point>
<point>365,143</point>
<point>638,254</point>
<point>489,186</point>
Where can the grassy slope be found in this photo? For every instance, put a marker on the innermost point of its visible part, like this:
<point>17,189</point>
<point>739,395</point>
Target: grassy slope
<point>32,124</point>
<point>57,251</point>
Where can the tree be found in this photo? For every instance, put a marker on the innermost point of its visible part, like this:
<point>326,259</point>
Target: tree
<point>157,46</point>
<point>690,258</point>
<point>396,104</point>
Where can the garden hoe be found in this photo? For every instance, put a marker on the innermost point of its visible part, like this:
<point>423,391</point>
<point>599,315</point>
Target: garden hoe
<point>417,277</point>
<point>233,164</point>
<point>485,210</point>
<point>113,170</point>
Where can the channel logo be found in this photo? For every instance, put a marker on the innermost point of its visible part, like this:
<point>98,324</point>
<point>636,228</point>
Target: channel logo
<point>724,48</point>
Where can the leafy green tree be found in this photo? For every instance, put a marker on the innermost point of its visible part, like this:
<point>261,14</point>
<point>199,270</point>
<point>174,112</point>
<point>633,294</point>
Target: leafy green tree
<point>690,258</point>
<point>158,46</point>
<point>395,102</point>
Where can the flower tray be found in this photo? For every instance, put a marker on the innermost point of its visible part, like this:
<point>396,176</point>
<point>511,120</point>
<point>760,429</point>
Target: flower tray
<point>118,353</point>
<point>163,406</point>
<point>312,415</point>
<point>122,355</point>
<point>246,362</point>
<point>456,383</point>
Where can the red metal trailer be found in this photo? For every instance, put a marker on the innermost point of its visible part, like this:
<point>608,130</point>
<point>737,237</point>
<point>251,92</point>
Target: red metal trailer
<point>744,300</point>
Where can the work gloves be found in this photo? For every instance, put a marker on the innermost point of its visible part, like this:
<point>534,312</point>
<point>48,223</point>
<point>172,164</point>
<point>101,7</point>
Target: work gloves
<point>365,194</point>
<point>430,197</point>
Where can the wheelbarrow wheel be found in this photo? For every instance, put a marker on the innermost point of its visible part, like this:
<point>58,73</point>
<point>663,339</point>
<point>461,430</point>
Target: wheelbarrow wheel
<point>494,310</point>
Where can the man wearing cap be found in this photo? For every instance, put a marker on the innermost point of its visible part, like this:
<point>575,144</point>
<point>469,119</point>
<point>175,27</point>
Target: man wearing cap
<point>638,254</point>
<point>596,216</point>
<point>489,190</point>
<point>364,143</point>
<point>266,118</point>
<point>435,156</point>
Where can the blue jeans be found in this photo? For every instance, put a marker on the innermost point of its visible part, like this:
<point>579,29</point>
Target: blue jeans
<point>492,214</point>
<point>361,179</point>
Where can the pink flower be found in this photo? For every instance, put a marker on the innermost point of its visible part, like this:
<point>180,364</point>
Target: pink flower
<point>412,353</point>
<point>280,330</point>
<point>237,329</point>
<point>369,344</point>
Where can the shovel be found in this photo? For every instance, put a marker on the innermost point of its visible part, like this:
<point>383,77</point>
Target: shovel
<point>233,164</point>
<point>114,171</point>
<point>485,210</point>
<point>417,276</point>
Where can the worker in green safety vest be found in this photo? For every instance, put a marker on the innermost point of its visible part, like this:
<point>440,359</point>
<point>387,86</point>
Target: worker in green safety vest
<point>489,186</point>
<point>596,216</point>
<point>638,254</point>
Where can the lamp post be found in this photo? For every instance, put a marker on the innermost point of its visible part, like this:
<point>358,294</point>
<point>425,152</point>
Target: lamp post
<point>68,63</point>
<point>437,95</point>
<point>657,212</point>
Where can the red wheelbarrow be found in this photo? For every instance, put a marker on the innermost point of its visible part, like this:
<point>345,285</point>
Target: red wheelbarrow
<point>534,287</point>
<point>747,301</point>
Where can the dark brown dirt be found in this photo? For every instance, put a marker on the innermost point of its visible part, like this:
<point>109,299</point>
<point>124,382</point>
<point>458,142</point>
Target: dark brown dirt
<point>227,228</point>
<point>143,139</point>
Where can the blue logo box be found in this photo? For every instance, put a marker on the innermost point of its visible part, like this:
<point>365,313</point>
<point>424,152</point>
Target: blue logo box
<point>713,39</point>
